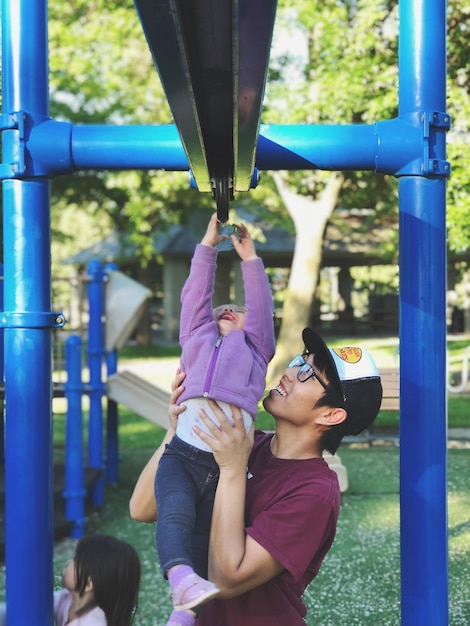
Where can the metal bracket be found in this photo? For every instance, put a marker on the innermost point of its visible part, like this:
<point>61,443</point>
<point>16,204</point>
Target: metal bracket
<point>14,121</point>
<point>27,319</point>
<point>9,121</point>
<point>434,120</point>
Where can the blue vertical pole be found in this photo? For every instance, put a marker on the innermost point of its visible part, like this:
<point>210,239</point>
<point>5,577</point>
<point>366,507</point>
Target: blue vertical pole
<point>112,422</point>
<point>28,360</point>
<point>75,491</point>
<point>112,427</point>
<point>2,362</point>
<point>423,444</point>
<point>95,361</point>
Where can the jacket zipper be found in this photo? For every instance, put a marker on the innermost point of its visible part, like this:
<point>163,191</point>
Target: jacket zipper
<point>210,371</point>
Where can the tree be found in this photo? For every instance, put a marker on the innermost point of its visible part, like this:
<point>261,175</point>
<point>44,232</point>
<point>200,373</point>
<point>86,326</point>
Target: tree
<point>350,76</point>
<point>342,69</point>
<point>348,53</point>
<point>458,153</point>
<point>101,72</point>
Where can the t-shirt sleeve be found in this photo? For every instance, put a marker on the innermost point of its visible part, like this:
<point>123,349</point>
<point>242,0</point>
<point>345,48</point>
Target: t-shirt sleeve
<point>297,531</point>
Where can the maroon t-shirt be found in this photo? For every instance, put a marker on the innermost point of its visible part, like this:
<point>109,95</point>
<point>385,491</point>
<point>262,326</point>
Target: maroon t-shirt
<point>291,509</point>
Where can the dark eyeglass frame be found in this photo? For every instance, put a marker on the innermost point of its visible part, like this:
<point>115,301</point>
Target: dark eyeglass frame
<point>307,371</point>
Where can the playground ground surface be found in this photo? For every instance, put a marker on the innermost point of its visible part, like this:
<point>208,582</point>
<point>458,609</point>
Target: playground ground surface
<point>359,582</point>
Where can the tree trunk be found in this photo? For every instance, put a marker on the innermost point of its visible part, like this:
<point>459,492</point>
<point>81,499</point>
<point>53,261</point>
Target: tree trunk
<point>310,217</point>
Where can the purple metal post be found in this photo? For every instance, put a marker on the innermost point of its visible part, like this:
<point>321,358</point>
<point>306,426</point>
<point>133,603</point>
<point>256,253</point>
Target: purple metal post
<point>423,423</point>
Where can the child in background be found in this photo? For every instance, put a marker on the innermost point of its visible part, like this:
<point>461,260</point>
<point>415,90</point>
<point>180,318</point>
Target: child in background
<point>225,355</point>
<point>101,585</point>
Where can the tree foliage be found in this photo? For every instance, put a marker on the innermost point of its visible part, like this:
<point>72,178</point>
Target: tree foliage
<point>349,76</point>
<point>333,61</point>
<point>101,72</point>
<point>348,55</point>
<point>458,105</point>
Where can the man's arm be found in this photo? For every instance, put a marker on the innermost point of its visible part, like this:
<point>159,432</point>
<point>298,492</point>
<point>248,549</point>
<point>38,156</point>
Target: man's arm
<point>142,505</point>
<point>237,563</point>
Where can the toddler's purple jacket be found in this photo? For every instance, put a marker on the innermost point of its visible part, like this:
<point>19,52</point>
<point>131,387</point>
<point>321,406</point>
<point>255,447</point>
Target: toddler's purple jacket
<point>235,370</point>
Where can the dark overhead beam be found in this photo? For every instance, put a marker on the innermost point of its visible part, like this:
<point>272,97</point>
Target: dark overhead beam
<point>212,57</point>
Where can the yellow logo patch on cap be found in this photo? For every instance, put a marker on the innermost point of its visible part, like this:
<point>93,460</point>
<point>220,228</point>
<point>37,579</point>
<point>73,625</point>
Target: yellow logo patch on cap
<point>349,354</point>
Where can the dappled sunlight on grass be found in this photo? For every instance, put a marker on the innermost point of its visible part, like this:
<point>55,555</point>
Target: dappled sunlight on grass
<point>459,522</point>
<point>379,513</point>
<point>359,581</point>
<point>131,434</point>
<point>371,470</point>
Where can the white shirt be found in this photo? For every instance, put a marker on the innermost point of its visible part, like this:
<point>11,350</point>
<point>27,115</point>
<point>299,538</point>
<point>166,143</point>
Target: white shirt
<point>190,417</point>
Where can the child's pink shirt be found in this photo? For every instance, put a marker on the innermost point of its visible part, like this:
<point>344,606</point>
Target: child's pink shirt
<point>62,603</point>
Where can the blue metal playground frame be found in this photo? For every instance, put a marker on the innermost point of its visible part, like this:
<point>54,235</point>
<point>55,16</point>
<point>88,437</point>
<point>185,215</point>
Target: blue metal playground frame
<point>35,148</point>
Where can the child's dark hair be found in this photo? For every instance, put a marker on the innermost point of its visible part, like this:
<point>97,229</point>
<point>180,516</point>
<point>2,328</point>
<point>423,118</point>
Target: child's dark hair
<point>114,569</point>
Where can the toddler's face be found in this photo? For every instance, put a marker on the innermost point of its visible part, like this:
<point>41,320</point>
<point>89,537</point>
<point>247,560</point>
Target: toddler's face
<point>69,578</point>
<point>229,317</point>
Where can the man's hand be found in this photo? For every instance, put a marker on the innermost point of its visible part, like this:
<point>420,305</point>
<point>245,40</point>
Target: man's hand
<point>177,388</point>
<point>231,445</point>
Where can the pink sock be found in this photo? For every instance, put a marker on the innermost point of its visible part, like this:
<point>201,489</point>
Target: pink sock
<point>181,618</point>
<point>176,575</point>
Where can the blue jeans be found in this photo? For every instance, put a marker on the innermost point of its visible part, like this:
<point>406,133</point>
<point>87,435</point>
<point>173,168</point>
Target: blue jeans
<point>185,488</point>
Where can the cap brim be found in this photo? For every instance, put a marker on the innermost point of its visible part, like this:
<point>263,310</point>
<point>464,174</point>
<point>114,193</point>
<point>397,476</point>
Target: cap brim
<point>315,345</point>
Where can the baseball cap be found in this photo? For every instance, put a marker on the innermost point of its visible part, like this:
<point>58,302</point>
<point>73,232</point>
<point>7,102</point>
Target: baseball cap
<point>353,375</point>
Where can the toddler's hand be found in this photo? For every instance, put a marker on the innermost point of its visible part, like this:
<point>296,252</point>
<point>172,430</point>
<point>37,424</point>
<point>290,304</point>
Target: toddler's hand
<point>212,236</point>
<point>244,244</point>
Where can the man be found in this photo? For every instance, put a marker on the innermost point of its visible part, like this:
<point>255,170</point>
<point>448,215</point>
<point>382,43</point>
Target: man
<point>277,501</point>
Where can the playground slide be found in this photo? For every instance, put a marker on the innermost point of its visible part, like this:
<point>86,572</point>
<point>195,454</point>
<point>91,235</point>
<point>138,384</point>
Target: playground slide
<point>139,395</point>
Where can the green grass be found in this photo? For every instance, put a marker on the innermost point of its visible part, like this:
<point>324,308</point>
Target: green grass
<point>149,352</point>
<point>359,582</point>
<point>361,572</point>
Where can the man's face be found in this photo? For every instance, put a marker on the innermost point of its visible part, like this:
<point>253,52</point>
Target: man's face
<point>293,399</point>
<point>229,317</point>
